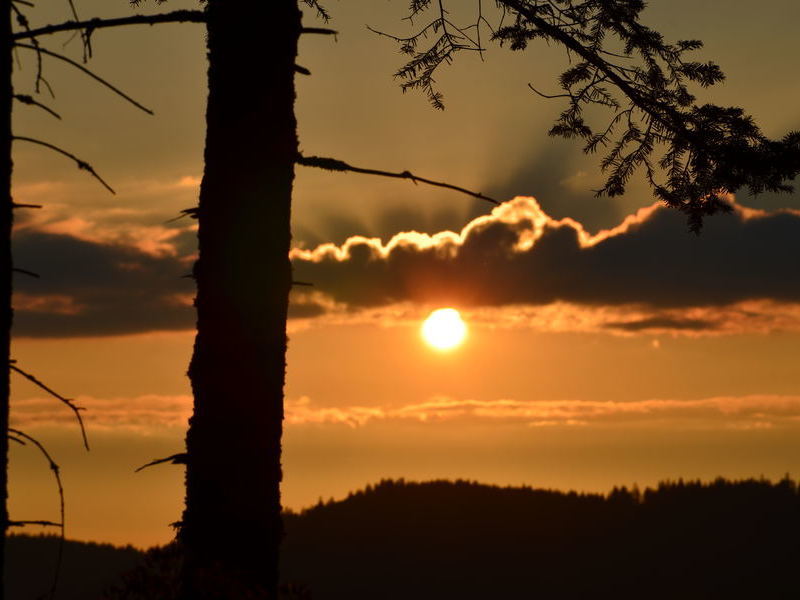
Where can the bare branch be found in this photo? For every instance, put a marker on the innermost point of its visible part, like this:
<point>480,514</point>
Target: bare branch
<point>42,523</point>
<point>69,402</point>
<point>175,459</point>
<point>178,16</point>
<point>57,475</point>
<point>319,31</point>
<point>25,272</point>
<point>80,67</point>
<point>332,164</point>
<point>82,164</point>
<point>30,101</point>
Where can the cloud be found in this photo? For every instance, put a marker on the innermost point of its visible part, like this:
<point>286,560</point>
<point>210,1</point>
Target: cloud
<point>515,267</point>
<point>144,414</point>
<point>151,413</point>
<point>87,288</point>
<point>518,255</point>
<point>726,412</point>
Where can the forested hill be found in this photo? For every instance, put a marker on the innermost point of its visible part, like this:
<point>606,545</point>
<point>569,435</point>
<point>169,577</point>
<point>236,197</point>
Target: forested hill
<point>443,540</point>
<point>464,540</point>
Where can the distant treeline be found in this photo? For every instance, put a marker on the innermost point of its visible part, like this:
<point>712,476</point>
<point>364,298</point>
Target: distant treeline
<point>463,540</point>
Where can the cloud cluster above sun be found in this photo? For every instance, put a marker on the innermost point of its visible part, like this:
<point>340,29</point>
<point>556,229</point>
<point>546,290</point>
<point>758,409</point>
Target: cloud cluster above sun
<point>519,255</point>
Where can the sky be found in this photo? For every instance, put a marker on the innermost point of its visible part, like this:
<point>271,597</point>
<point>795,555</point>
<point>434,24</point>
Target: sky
<point>606,344</point>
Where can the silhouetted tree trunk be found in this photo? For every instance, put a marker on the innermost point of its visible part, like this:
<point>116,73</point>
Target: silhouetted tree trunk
<point>6,218</point>
<point>231,527</point>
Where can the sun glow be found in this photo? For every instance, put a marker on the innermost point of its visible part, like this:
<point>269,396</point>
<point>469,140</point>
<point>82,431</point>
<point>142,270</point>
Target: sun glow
<point>444,329</point>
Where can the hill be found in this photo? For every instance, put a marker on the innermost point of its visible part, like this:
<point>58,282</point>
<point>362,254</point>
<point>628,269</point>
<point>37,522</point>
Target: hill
<point>464,540</point>
<point>87,568</point>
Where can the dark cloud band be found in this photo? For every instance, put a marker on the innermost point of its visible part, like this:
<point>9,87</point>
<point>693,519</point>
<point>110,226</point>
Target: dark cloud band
<point>519,255</point>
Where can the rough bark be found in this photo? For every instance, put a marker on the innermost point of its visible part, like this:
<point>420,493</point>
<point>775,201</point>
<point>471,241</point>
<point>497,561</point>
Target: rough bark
<point>231,528</point>
<point>6,219</point>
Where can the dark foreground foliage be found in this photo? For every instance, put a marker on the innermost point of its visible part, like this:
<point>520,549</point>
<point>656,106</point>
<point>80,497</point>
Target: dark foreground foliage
<point>86,571</point>
<point>464,540</point>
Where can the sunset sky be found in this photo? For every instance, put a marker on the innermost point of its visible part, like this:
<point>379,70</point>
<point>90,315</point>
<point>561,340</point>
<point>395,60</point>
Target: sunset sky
<point>606,345</point>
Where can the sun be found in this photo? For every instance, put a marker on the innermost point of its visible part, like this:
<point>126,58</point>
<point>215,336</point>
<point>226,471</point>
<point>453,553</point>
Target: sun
<point>444,329</point>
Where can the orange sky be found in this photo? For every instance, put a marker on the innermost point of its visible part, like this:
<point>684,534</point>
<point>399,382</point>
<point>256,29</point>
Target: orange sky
<point>640,354</point>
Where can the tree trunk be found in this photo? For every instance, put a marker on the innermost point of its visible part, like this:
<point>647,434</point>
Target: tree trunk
<point>231,528</point>
<point>6,220</point>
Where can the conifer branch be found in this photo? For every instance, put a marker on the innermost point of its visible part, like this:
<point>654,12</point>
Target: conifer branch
<point>94,76</point>
<point>332,164</point>
<point>82,164</point>
<point>67,401</point>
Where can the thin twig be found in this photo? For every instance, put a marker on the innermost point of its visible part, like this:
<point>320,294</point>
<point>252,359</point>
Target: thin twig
<point>70,403</point>
<point>332,164</point>
<point>82,164</point>
<point>56,473</point>
<point>97,78</point>
<point>18,205</point>
<point>26,272</point>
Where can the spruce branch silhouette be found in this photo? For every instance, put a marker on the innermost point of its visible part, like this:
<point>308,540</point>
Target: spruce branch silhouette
<point>88,72</point>
<point>81,164</point>
<point>333,164</point>
<point>67,401</point>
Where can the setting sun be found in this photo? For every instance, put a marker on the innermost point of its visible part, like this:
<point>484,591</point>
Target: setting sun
<point>444,329</point>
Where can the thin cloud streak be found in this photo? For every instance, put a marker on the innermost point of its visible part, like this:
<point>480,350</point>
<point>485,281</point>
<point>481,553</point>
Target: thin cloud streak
<point>153,413</point>
<point>725,412</point>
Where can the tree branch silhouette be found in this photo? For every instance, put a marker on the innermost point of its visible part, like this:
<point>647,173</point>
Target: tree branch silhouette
<point>175,459</point>
<point>30,101</point>
<point>57,475</point>
<point>691,155</point>
<point>94,76</point>
<point>90,25</point>
<point>82,164</point>
<point>67,401</point>
<point>333,164</point>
